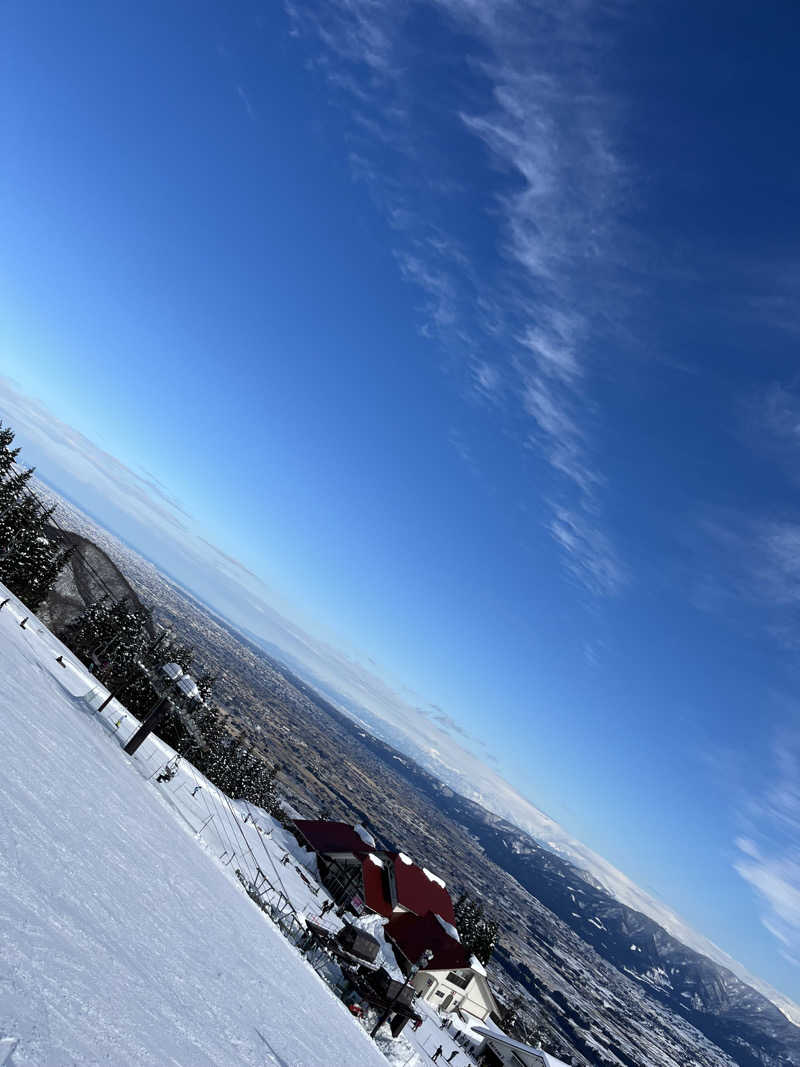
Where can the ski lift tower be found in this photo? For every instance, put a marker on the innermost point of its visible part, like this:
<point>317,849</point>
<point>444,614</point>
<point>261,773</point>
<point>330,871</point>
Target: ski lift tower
<point>175,679</point>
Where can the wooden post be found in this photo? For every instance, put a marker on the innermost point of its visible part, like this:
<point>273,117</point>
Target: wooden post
<point>149,724</point>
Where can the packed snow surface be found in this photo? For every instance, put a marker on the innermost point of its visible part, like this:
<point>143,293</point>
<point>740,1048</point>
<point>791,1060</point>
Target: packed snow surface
<point>123,939</point>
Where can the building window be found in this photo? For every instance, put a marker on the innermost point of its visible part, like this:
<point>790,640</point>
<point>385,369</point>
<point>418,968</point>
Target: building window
<point>460,980</point>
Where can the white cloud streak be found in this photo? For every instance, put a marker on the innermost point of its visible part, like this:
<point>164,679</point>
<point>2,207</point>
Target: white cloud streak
<point>243,96</point>
<point>524,324</point>
<point>119,494</point>
<point>769,851</point>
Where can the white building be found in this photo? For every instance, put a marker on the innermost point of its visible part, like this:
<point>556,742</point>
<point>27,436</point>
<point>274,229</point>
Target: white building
<point>502,1051</point>
<point>463,989</point>
<point>451,980</point>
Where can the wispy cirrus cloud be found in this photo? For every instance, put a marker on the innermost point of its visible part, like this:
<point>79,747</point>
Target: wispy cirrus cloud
<point>753,574</point>
<point>772,423</point>
<point>590,556</point>
<point>122,497</point>
<point>243,95</point>
<point>755,581</point>
<point>756,554</point>
<point>768,851</point>
<point>524,101</point>
<point>777,295</point>
<point>140,495</point>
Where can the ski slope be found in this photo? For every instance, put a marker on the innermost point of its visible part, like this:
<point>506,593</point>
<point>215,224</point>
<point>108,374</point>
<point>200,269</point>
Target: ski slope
<point>123,940</point>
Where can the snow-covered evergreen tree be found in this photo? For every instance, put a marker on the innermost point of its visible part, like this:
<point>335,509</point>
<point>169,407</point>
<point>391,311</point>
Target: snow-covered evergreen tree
<point>477,933</point>
<point>46,574</point>
<point>30,559</point>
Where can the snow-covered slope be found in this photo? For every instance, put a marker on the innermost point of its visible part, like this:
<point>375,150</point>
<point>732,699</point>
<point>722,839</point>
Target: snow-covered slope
<point>122,940</point>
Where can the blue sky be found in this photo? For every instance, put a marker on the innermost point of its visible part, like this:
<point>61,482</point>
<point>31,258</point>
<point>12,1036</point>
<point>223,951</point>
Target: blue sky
<point>470,329</point>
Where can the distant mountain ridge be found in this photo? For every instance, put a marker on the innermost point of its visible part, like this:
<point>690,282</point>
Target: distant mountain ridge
<point>733,1015</point>
<point>736,1017</point>
<point>534,824</point>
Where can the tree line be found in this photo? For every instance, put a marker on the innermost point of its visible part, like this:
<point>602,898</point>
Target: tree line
<point>118,642</point>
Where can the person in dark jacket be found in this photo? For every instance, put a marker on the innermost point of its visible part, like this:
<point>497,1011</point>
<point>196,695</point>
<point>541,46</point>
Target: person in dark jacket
<point>437,1054</point>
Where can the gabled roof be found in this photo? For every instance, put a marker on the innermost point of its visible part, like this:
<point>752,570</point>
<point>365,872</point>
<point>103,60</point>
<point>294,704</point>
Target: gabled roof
<point>333,838</point>
<point>419,890</point>
<point>413,934</point>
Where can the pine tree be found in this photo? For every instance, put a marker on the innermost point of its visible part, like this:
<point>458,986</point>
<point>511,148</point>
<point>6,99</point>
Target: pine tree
<point>477,933</point>
<point>30,560</point>
<point>20,516</point>
<point>13,485</point>
<point>89,629</point>
<point>172,729</point>
<point>205,684</point>
<point>171,651</point>
<point>47,576</point>
<point>8,455</point>
<point>267,796</point>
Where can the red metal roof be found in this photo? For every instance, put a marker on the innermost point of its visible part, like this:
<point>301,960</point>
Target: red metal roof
<point>419,893</point>
<point>332,837</point>
<point>376,890</point>
<point>415,890</point>
<point>413,934</point>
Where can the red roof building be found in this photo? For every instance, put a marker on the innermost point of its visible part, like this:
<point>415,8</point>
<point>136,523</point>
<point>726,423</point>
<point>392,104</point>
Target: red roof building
<point>451,980</point>
<point>376,884</point>
<point>413,934</point>
<point>390,882</point>
<point>418,890</point>
<point>335,838</point>
<point>416,903</point>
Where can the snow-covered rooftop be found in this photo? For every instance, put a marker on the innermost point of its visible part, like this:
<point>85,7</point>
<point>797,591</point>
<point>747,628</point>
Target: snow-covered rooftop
<point>188,687</point>
<point>434,877</point>
<point>448,928</point>
<point>545,1058</point>
<point>365,835</point>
